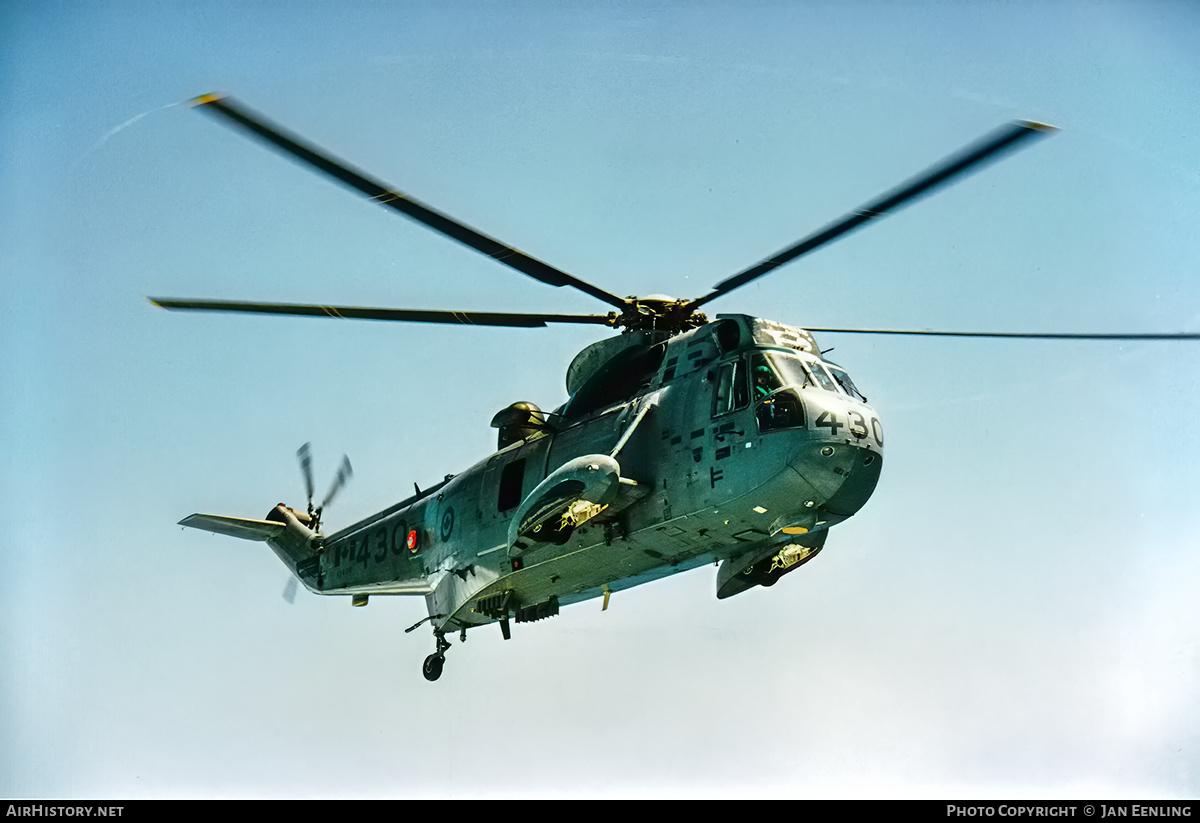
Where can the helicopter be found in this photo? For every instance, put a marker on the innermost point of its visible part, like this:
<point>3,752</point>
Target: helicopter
<point>684,442</point>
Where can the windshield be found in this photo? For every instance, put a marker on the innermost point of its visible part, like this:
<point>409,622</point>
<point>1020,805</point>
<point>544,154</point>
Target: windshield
<point>771,370</point>
<point>846,383</point>
<point>822,376</point>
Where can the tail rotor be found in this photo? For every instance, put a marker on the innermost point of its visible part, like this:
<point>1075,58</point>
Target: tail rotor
<point>344,473</point>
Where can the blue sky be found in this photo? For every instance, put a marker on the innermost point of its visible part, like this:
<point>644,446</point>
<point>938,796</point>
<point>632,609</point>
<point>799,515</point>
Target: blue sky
<point>1013,613</point>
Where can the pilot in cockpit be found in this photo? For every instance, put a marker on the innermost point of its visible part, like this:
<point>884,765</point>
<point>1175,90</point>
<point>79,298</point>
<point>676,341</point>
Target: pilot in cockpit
<point>765,381</point>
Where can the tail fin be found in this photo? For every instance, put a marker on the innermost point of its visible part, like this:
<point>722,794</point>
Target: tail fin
<point>234,526</point>
<point>283,531</point>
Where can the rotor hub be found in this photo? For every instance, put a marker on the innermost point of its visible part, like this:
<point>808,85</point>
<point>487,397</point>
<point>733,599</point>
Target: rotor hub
<point>659,312</point>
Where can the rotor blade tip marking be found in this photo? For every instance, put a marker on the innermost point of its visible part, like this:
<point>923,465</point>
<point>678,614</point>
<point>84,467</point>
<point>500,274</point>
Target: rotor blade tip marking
<point>1035,126</point>
<point>205,99</point>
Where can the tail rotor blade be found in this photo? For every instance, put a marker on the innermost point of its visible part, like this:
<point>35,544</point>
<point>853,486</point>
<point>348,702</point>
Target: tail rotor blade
<point>289,591</point>
<point>305,456</point>
<point>344,473</point>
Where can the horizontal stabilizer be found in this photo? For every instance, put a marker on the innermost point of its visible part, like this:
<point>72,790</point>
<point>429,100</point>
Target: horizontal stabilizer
<point>234,526</point>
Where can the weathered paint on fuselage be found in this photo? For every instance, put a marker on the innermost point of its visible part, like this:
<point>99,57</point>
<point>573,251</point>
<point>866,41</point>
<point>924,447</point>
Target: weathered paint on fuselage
<point>712,486</point>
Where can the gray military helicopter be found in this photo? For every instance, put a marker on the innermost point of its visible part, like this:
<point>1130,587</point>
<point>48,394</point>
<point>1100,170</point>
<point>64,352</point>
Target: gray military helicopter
<point>684,442</point>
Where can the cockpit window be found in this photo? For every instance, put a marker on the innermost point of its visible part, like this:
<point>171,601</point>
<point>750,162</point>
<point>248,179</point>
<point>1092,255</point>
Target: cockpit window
<point>846,383</point>
<point>822,377</point>
<point>764,375</point>
<point>771,370</point>
<point>776,407</point>
<point>774,369</point>
<point>731,388</point>
<point>780,410</point>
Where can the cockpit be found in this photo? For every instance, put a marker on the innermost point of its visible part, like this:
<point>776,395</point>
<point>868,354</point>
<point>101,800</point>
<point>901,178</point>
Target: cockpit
<point>773,380</point>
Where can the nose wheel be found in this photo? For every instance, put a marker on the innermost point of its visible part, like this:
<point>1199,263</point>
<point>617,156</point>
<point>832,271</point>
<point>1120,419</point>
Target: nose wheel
<point>432,667</point>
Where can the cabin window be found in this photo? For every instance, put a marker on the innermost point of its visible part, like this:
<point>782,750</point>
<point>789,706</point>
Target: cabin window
<point>512,480</point>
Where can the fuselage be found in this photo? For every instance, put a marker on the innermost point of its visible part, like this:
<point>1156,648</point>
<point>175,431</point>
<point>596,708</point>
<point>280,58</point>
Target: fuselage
<point>736,443</point>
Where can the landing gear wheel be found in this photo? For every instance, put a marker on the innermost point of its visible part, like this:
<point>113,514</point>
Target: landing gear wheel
<point>433,666</point>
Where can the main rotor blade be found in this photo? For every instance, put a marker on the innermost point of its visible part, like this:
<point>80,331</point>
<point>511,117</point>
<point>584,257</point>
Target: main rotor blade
<point>990,148</point>
<point>1020,335</point>
<point>470,318</point>
<point>380,192</point>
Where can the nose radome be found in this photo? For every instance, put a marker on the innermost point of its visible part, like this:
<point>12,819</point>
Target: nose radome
<point>858,481</point>
<point>844,475</point>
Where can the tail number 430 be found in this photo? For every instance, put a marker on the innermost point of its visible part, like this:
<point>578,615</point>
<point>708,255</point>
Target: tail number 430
<point>857,425</point>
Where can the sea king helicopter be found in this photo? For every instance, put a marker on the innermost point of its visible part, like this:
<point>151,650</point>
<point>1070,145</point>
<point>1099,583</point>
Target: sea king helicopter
<point>685,441</point>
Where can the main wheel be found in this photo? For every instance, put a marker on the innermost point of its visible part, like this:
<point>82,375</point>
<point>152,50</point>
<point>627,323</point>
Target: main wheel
<point>433,666</point>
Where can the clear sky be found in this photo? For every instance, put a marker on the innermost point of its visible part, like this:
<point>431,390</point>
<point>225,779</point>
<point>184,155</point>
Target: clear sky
<point>1014,613</point>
